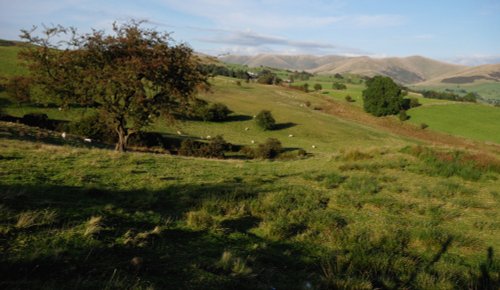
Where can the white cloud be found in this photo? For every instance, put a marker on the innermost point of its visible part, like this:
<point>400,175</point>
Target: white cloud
<point>478,59</point>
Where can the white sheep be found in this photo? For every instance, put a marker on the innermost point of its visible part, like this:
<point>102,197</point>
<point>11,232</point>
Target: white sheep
<point>209,137</point>
<point>88,140</point>
<point>246,129</point>
<point>179,132</point>
<point>290,136</point>
<point>63,135</point>
<point>314,146</point>
<point>253,141</point>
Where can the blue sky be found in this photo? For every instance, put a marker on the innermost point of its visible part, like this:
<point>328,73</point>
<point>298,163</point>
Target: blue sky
<point>460,31</point>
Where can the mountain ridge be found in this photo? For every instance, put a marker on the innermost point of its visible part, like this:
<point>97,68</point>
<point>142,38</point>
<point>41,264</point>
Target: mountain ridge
<point>406,70</point>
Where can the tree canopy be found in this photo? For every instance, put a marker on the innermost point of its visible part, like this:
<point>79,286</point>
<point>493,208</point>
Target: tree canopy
<point>133,75</point>
<point>382,96</point>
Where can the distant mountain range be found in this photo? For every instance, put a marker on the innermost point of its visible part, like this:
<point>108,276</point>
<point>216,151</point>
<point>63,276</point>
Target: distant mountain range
<point>406,70</point>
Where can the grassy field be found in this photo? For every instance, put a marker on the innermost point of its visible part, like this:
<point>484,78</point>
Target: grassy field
<point>77,218</point>
<point>9,64</point>
<point>366,209</point>
<point>485,90</point>
<point>472,121</point>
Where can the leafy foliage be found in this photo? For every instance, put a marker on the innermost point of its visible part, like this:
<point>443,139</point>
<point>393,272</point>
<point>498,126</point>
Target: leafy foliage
<point>214,112</point>
<point>94,127</point>
<point>265,120</point>
<point>134,74</point>
<point>269,78</point>
<point>382,97</point>
<point>338,86</point>
<point>216,148</point>
<point>19,88</point>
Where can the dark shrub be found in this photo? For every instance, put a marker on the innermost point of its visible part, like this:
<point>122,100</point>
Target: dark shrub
<point>147,139</point>
<point>249,152</point>
<point>214,149</point>
<point>215,112</point>
<point>269,150</point>
<point>218,112</point>
<point>339,86</point>
<point>382,97</point>
<point>403,116</point>
<point>318,87</point>
<point>268,77</point>
<point>36,119</point>
<point>94,127</point>
<point>189,148</point>
<point>265,120</point>
<point>349,99</point>
<point>423,126</point>
<point>308,104</point>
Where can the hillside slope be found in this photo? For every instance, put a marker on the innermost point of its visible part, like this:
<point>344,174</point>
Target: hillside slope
<point>408,70</point>
<point>480,74</point>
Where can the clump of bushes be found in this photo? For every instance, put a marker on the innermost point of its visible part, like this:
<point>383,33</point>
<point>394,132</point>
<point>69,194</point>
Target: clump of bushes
<point>214,112</point>
<point>349,99</point>
<point>269,78</point>
<point>268,150</point>
<point>147,139</point>
<point>339,86</point>
<point>94,127</point>
<point>265,120</point>
<point>35,119</point>
<point>216,148</point>
<point>318,87</point>
<point>423,126</point>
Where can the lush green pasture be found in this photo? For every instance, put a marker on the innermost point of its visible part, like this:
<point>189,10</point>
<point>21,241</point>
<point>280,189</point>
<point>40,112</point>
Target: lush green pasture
<point>308,126</point>
<point>9,64</point>
<point>474,121</point>
<point>74,218</point>
<point>485,90</point>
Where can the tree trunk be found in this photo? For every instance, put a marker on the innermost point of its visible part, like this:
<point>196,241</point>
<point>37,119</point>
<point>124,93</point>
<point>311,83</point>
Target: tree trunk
<point>121,146</point>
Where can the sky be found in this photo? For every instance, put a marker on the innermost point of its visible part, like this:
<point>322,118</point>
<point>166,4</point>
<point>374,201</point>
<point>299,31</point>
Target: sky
<point>458,31</point>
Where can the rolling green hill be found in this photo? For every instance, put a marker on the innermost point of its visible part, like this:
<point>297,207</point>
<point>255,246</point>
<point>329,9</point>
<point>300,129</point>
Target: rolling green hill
<point>472,121</point>
<point>9,64</point>
<point>376,203</point>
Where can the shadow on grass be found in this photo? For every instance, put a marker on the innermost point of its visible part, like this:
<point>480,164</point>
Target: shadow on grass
<point>238,118</point>
<point>282,126</point>
<point>124,253</point>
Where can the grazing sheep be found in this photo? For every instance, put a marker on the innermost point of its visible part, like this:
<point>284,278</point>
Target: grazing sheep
<point>63,135</point>
<point>60,109</point>
<point>179,133</point>
<point>209,137</point>
<point>253,141</point>
<point>246,129</point>
<point>254,116</point>
<point>314,146</point>
<point>291,135</point>
<point>88,140</point>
